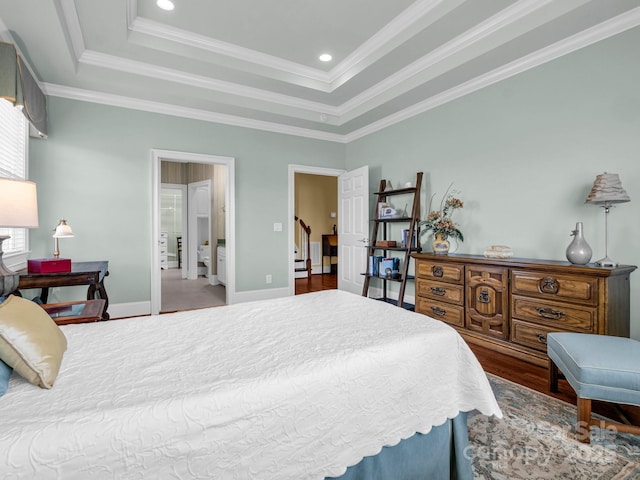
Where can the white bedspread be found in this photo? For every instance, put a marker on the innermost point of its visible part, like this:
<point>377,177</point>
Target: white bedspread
<point>294,388</point>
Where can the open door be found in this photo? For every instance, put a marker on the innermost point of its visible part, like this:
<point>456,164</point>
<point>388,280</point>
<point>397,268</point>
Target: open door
<point>353,228</point>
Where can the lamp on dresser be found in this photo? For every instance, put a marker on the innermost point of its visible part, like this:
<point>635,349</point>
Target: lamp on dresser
<point>606,191</point>
<point>19,203</point>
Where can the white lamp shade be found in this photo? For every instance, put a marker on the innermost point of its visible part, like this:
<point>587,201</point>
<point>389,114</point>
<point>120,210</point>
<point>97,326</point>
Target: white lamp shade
<point>18,204</point>
<point>63,230</point>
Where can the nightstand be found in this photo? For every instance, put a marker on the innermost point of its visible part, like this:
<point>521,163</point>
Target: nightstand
<point>86,311</point>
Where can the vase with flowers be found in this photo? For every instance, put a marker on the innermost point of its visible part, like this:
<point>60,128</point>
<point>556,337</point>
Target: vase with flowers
<point>441,223</point>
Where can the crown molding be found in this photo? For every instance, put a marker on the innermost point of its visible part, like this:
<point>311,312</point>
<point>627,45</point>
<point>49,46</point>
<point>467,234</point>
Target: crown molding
<point>184,112</point>
<point>202,42</point>
<point>112,62</point>
<point>602,31</point>
<point>593,35</point>
<point>582,39</point>
<point>400,82</point>
<point>363,57</point>
<point>381,42</point>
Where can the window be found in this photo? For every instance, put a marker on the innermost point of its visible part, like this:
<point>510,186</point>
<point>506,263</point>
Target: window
<point>13,164</point>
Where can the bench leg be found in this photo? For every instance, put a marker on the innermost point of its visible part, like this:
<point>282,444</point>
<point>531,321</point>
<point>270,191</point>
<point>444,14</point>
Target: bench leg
<point>553,377</point>
<point>584,420</point>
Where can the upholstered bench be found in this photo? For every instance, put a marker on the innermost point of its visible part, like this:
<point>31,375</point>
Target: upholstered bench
<point>597,367</point>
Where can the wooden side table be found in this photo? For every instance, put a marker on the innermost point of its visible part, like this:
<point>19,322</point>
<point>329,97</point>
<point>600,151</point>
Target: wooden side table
<point>85,311</point>
<point>82,273</point>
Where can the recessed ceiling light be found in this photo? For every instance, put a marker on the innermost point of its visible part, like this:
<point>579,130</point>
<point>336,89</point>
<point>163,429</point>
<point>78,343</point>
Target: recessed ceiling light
<point>165,4</point>
<point>325,57</point>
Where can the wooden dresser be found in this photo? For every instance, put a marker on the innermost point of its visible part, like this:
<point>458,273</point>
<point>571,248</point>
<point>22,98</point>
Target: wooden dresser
<point>509,305</point>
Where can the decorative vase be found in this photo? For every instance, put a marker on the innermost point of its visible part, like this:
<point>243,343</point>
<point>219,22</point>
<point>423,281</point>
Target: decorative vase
<point>440,245</point>
<point>578,252</point>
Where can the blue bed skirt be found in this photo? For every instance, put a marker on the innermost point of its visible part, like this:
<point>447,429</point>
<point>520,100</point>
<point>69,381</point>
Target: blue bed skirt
<point>438,455</point>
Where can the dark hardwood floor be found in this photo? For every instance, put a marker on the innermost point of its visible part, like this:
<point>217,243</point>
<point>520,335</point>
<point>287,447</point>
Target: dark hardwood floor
<point>326,281</point>
<point>510,368</point>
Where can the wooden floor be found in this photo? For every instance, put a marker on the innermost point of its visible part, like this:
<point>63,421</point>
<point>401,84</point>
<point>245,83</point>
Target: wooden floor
<point>504,366</point>
<point>326,281</point>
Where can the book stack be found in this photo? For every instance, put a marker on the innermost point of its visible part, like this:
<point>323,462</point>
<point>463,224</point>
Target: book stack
<point>374,264</point>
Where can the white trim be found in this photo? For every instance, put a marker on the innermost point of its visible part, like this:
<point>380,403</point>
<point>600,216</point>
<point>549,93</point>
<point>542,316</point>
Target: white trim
<point>184,112</point>
<point>293,169</point>
<point>265,294</point>
<point>112,62</point>
<point>568,45</point>
<point>382,41</point>
<point>230,222</point>
<point>131,309</point>
<point>212,45</point>
<point>358,60</point>
<point>73,32</point>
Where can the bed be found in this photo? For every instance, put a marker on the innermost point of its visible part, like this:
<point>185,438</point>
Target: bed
<point>294,388</point>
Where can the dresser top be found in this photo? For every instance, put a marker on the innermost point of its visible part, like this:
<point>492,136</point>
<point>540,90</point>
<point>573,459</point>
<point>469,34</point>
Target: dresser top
<point>515,262</point>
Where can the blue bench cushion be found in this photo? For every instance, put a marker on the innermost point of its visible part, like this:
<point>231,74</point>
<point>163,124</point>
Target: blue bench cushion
<point>598,367</point>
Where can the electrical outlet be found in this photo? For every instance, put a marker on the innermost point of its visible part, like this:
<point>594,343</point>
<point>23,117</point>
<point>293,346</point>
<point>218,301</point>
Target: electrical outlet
<point>269,278</point>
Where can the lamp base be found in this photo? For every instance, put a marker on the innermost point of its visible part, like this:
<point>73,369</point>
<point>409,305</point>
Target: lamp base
<point>606,262</point>
<point>8,278</point>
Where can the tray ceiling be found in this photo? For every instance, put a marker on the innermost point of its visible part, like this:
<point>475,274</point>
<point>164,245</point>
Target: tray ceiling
<point>255,63</point>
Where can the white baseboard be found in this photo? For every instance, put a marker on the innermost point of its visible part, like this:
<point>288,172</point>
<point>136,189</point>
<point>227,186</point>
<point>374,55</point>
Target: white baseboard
<point>266,294</point>
<point>132,309</point>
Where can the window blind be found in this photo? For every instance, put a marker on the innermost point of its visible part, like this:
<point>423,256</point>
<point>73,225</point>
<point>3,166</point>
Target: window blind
<point>13,164</point>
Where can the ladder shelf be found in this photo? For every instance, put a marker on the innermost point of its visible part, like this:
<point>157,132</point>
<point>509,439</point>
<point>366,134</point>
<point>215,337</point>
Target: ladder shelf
<point>381,228</point>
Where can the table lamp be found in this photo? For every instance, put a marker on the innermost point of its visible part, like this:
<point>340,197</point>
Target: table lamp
<point>19,210</point>
<point>606,191</point>
<point>62,230</point>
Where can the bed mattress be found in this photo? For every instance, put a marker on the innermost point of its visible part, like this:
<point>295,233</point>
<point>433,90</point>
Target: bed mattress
<point>269,390</point>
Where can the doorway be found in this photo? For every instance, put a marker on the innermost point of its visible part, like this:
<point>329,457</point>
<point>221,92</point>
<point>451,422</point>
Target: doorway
<point>187,269</point>
<point>352,225</point>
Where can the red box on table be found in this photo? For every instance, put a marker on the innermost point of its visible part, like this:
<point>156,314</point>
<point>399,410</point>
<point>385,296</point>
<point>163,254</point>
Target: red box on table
<point>49,265</point>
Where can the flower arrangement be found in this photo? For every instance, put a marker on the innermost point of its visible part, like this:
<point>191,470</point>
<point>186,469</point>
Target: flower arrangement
<point>439,221</point>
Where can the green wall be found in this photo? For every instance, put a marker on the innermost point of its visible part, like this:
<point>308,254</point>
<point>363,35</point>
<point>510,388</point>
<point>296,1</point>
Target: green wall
<point>524,154</point>
<point>95,171</point>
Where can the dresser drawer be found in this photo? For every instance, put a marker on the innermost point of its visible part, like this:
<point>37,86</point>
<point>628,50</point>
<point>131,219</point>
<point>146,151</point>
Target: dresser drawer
<point>559,315</point>
<point>444,272</point>
<point>440,291</point>
<point>453,314</point>
<point>531,335</point>
<point>570,288</point>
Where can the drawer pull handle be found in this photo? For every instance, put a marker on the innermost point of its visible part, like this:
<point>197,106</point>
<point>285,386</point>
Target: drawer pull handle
<point>484,297</point>
<point>439,311</point>
<point>438,291</point>
<point>541,338</point>
<point>437,271</point>
<point>549,313</point>
<point>549,285</point>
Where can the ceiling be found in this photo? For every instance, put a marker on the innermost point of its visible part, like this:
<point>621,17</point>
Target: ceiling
<point>254,63</point>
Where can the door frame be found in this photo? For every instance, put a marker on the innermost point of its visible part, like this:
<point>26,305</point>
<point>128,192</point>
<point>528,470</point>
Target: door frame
<point>229,217</point>
<point>293,169</point>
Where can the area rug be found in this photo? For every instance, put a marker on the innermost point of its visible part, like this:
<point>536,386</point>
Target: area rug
<point>535,440</point>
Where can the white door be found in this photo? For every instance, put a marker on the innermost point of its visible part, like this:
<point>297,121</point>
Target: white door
<point>199,225</point>
<point>353,228</point>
